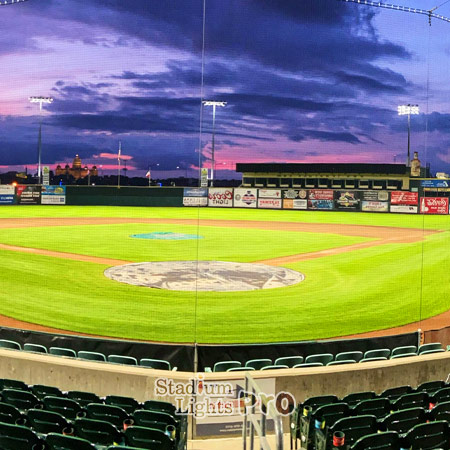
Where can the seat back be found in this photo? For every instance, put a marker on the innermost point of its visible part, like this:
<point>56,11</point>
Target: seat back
<point>62,351</point>
<point>16,437</point>
<point>323,358</point>
<point>9,413</point>
<point>20,399</point>
<point>289,361</point>
<point>379,441</point>
<point>41,391</point>
<point>328,415</point>
<point>119,359</point>
<point>12,345</point>
<point>91,356</point>
<point>148,438</point>
<point>6,383</point>
<point>396,392</point>
<point>378,353</point>
<point>402,421</point>
<point>84,398</point>
<point>65,406</point>
<point>431,386</point>
<point>37,348</point>
<point>412,400</point>
<point>441,411</point>
<point>61,442</point>
<point>442,395</point>
<point>354,427</point>
<point>429,436</point>
<point>158,405</point>
<point>129,404</point>
<point>46,422</point>
<point>145,418</point>
<point>430,346</point>
<point>155,364</point>
<point>378,407</point>
<point>107,413</point>
<point>355,397</point>
<point>97,432</point>
<point>223,366</point>
<point>407,349</point>
<point>258,364</point>
<point>344,356</point>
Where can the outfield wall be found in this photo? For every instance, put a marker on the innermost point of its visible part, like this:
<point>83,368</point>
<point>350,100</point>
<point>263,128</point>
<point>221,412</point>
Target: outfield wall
<point>380,201</point>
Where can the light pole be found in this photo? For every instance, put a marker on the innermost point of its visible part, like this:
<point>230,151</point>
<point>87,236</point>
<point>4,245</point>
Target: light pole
<point>214,104</point>
<point>119,154</point>
<point>407,110</point>
<point>40,100</point>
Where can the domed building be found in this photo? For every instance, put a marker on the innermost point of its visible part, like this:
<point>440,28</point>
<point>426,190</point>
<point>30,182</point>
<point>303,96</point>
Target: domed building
<point>77,170</point>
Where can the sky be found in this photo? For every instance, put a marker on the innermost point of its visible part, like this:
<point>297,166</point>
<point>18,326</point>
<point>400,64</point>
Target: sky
<point>304,81</point>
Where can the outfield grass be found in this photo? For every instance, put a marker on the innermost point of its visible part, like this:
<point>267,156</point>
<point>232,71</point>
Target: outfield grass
<point>367,289</point>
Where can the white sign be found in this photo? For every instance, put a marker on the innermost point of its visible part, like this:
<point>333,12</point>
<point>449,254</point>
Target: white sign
<point>7,190</point>
<point>289,203</point>
<point>46,175</point>
<point>204,178</point>
<point>269,193</point>
<point>409,209</point>
<point>220,197</point>
<point>195,201</point>
<point>245,198</point>
<point>269,203</point>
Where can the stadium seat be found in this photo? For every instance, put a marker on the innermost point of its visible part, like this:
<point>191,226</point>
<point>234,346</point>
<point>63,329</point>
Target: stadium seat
<point>379,441</point>
<point>12,345</point>
<point>22,400</point>
<point>61,442</point>
<point>356,397</point>
<point>6,383</point>
<point>402,421</point>
<point>91,356</point>
<point>429,352</point>
<point>83,398</point>
<point>375,358</point>
<point>155,364</point>
<point>344,356</point>
<point>223,366</point>
<point>240,369</point>
<point>119,359</point>
<point>68,408</point>
<point>442,395</point>
<point>155,419</point>
<point>323,358</point>
<point>9,413</point>
<point>98,432</point>
<point>378,407</point>
<point>273,367</point>
<point>412,400</point>
<point>342,361</point>
<point>431,386</point>
<point>430,346</point>
<point>403,355</point>
<point>158,405</point>
<point>148,438</point>
<point>378,353</point>
<point>41,391</point>
<point>311,364</point>
<point>16,437</point>
<point>129,404</point>
<point>396,392</point>
<point>405,350</point>
<point>289,361</point>
<point>36,348</point>
<point>258,364</point>
<point>327,415</point>
<point>61,351</point>
<point>441,411</point>
<point>107,413</point>
<point>45,422</point>
<point>430,435</point>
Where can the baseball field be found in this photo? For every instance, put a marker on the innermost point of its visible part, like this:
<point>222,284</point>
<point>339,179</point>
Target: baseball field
<point>362,271</point>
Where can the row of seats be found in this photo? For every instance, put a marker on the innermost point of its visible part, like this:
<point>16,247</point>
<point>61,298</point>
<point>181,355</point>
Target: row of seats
<point>90,356</point>
<point>48,418</point>
<point>397,410</point>
<point>326,359</point>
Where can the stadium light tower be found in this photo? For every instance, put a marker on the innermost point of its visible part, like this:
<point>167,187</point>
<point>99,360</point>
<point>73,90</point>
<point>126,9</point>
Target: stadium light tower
<point>40,100</point>
<point>214,104</point>
<point>407,110</point>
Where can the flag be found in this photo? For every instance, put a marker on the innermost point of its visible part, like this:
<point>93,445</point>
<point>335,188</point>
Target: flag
<point>120,151</point>
<point>147,175</point>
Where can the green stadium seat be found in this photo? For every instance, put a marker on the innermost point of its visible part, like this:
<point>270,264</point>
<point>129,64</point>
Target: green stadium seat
<point>12,345</point>
<point>323,358</point>
<point>155,364</point>
<point>378,353</point>
<point>158,405</point>
<point>403,355</point>
<point>442,395</point>
<point>344,356</point>
<point>45,422</point>
<point>356,397</point>
<point>273,367</point>
<point>375,358</point>
<point>22,400</point>
<point>396,392</point>
<point>41,391</point>
<point>61,442</point>
<point>378,407</point>
<point>129,404</point>
<point>430,346</point>
<point>412,400</point>
<point>91,356</point>
<point>441,411</point>
<point>84,398</point>
<point>405,350</point>
<point>16,437</point>
<point>6,383</point>
<point>36,348</point>
<point>258,364</point>
<point>342,361</point>
<point>62,351</point>
<point>148,438</point>
<point>310,364</point>
<point>98,432</point>
<point>68,408</point>
<point>240,369</point>
<point>430,352</point>
<point>156,419</point>
<point>402,421</point>
<point>107,413</point>
<point>289,361</point>
<point>430,435</point>
<point>119,359</point>
<point>223,366</point>
<point>431,386</point>
<point>9,413</point>
<point>378,441</point>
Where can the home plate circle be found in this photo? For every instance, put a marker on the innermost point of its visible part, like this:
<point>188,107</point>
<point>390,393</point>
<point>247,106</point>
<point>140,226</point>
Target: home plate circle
<point>218,276</point>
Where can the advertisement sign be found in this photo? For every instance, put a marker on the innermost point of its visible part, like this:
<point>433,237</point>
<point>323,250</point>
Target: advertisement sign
<point>53,195</point>
<point>28,195</point>
<point>195,201</point>
<point>435,183</point>
<point>46,175</point>
<point>220,197</point>
<point>245,198</point>
<point>404,209</point>
<point>321,194</point>
<point>404,198</point>
<point>269,203</point>
<point>269,193</point>
<point>195,192</point>
<point>290,203</point>
<point>204,178</point>
<point>321,204</point>
<point>434,205</point>
<point>347,200</point>
<point>7,195</point>
<point>375,196</point>
<point>374,206</point>
<point>295,193</point>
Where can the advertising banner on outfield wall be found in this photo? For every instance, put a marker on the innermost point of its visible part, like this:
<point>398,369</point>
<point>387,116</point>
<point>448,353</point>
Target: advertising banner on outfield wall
<point>269,203</point>
<point>295,194</point>
<point>220,197</point>
<point>374,196</point>
<point>245,198</point>
<point>404,198</point>
<point>367,206</point>
<point>321,194</point>
<point>195,192</point>
<point>7,195</point>
<point>28,195</point>
<point>321,204</point>
<point>290,203</point>
<point>195,201</point>
<point>53,195</point>
<point>348,200</point>
<point>404,209</point>
<point>434,205</point>
<point>269,193</point>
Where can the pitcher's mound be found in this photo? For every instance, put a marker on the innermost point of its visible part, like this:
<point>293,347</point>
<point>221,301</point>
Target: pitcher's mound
<point>216,276</point>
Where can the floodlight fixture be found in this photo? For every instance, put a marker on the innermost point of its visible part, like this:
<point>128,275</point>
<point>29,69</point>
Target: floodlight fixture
<point>408,110</point>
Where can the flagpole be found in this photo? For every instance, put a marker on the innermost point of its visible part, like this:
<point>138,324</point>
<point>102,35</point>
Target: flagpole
<point>149,175</point>
<point>118,160</point>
